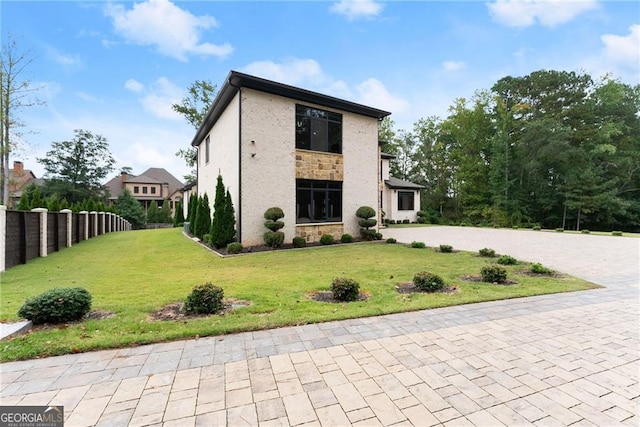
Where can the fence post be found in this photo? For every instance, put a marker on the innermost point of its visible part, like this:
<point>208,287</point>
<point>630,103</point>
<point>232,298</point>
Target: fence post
<point>108,218</point>
<point>94,215</point>
<point>69,226</point>
<point>43,230</point>
<point>102,217</point>
<point>3,236</point>
<point>85,232</point>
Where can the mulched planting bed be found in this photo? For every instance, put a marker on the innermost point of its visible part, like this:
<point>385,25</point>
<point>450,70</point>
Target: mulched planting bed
<point>470,278</point>
<point>327,296</point>
<point>175,311</point>
<point>410,288</point>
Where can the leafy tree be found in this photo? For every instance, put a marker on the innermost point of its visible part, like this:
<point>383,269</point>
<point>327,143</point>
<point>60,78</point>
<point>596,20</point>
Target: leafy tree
<point>24,204</point>
<point>153,213</point>
<point>15,92</point>
<point>178,217</point>
<point>194,108</point>
<point>223,224</point>
<point>129,208</point>
<point>76,168</point>
<point>203,217</point>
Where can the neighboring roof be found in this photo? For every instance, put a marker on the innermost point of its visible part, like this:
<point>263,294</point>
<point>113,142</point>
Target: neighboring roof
<point>150,176</point>
<point>394,182</point>
<point>387,156</point>
<point>16,182</point>
<point>35,181</point>
<point>236,80</point>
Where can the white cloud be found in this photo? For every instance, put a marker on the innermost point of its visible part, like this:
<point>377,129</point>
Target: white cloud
<point>65,60</point>
<point>624,50</point>
<point>373,93</point>
<point>354,9</point>
<point>161,96</point>
<point>308,74</point>
<point>453,65</point>
<point>549,13</point>
<point>134,86</point>
<point>89,98</point>
<point>173,31</point>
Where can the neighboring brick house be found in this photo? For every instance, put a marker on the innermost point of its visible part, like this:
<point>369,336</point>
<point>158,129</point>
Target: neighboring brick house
<point>153,184</point>
<point>314,156</point>
<point>19,179</point>
<point>400,200</point>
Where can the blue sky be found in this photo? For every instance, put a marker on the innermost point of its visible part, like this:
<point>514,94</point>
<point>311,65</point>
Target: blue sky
<point>115,68</point>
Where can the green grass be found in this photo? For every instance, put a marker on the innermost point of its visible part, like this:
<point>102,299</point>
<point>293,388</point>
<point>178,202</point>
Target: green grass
<point>133,274</point>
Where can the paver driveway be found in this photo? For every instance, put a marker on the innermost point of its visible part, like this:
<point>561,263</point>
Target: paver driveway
<point>566,359</point>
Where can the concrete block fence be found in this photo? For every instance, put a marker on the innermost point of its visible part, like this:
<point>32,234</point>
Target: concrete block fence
<point>25,235</point>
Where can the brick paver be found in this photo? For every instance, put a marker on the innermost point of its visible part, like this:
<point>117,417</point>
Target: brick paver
<point>565,359</point>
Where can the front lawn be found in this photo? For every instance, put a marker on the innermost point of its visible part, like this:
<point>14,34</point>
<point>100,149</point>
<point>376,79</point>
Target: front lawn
<point>133,274</point>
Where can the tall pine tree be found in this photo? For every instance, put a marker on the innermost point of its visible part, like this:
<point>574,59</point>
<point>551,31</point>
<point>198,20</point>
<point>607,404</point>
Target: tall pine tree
<point>223,223</point>
<point>203,217</point>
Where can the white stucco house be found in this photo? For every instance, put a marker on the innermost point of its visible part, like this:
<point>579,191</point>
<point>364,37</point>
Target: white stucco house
<point>315,156</point>
<point>400,200</point>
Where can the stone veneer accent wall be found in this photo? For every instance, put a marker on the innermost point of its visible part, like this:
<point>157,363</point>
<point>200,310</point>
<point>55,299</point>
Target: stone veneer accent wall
<point>312,233</point>
<point>319,166</point>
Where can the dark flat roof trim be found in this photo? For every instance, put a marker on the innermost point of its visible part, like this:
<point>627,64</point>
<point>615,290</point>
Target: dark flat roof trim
<point>387,156</point>
<point>236,80</point>
<point>397,183</point>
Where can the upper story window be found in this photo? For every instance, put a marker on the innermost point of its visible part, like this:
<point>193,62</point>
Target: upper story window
<point>318,130</point>
<point>144,190</point>
<point>136,189</point>
<point>153,190</point>
<point>207,148</point>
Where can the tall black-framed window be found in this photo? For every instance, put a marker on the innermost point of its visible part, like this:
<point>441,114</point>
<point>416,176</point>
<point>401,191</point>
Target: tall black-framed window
<point>318,201</point>
<point>405,200</point>
<point>318,130</point>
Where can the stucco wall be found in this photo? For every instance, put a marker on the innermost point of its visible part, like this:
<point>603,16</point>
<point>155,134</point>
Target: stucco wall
<point>268,163</point>
<point>393,213</point>
<point>223,156</point>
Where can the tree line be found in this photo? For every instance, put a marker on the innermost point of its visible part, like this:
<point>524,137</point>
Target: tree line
<point>552,148</point>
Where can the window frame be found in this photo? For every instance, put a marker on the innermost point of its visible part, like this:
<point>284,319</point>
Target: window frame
<point>136,189</point>
<point>328,124</point>
<point>324,189</point>
<point>412,203</point>
<point>207,149</point>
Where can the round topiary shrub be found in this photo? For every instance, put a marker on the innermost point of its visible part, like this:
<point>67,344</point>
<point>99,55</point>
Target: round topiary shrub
<point>273,239</point>
<point>378,235</point>
<point>345,289</point>
<point>391,240</point>
<point>299,242</point>
<point>365,212</point>
<point>428,282</point>
<point>487,252</point>
<point>446,249</point>
<point>57,305</point>
<point>273,214</point>
<point>327,239</point>
<point>234,248</point>
<point>204,299</point>
<point>421,220</point>
<point>493,274</point>
<point>273,225</point>
<point>507,260</point>
<point>346,238</point>
<point>418,245</point>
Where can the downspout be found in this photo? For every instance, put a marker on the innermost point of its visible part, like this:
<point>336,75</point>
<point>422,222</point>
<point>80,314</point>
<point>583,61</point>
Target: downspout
<point>239,218</point>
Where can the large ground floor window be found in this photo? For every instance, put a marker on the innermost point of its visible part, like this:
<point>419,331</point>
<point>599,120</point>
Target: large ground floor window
<point>405,200</point>
<point>318,201</point>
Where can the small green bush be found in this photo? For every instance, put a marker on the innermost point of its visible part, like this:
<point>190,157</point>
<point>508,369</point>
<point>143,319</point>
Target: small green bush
<point>392,221</point>
<point>446,248</point>
<point>421,220</point>
<point>406,221</point>
<point>493,274</point>
<point>487,252</point>
<point>345,289</point>
<point>421,214</point>
<point>418,245</point>
<point>538,268</point>
<point>536,228</point>
<point>391,240</point>
<point>204,299</point>
<point>585,232</point>
<point>299,242</point>
<point>273,214</point>
<point>273,225</point>
<point>346,238</point>
<point>515,227</point>
<point>234,248</point>
<point>57,305</point>
<point>327,239</point>
<point>616,233</point>
<point>365,212</point>
<point>273,239</point>
<point>368,234</point>
<point>559,230</point>
<point>378,235</point>
<point>507,260</point>
<point>428,282</point>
